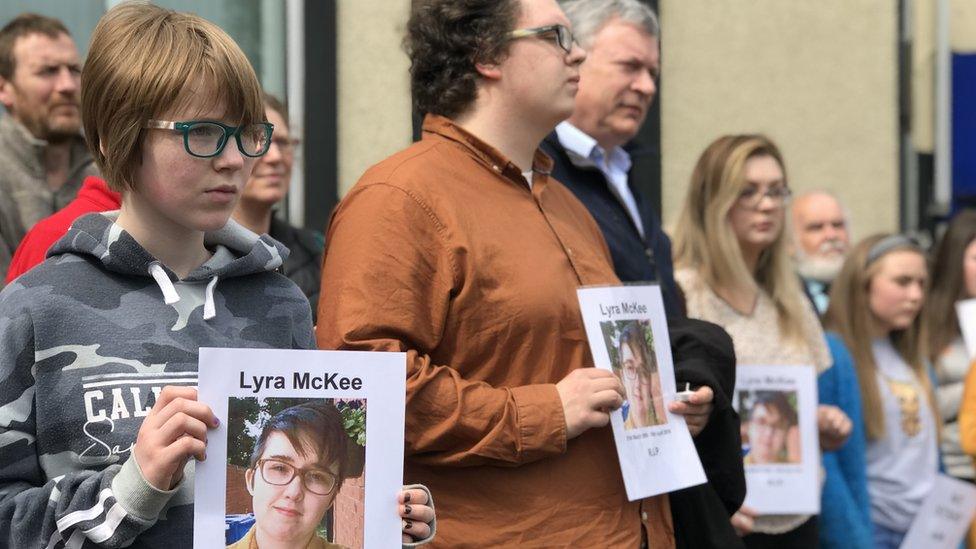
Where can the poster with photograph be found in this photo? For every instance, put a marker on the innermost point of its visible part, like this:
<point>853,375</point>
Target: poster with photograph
<point>777,408</point>
<point>944,517</point>
<point>966,313</point>
<point>628,335</point>
<point>310,445</point>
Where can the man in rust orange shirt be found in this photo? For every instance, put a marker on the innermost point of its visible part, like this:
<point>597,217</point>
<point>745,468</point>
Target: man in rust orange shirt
<point>463,252</point>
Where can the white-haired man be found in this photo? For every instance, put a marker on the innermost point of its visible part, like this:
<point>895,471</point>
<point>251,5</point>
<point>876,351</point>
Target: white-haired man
<point>591,156</point>
<point>821,242</point>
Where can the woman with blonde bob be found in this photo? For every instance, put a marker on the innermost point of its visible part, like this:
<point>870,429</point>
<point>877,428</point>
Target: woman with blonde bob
<point>875,303</point>
<point>733,267</point>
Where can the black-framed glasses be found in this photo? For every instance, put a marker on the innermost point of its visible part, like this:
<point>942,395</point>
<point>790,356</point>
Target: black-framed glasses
<point>564,36</point>
<point>206,138</point>
<point>280,473</point>
<point>751,197</point>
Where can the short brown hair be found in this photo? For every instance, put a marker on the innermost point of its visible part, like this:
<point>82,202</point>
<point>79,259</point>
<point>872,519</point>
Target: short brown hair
<point>145,60</point>
<point>445,39</point>
<point>23,25</point>
<point>314,429</point>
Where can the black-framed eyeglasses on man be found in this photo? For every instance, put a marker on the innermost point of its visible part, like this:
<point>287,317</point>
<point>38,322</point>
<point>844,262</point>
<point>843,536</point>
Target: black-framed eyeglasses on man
<point>564,36</point>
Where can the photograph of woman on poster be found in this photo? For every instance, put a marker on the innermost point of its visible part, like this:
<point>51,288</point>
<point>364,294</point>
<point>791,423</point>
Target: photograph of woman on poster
<point>307,442</point>
<point>771,432</point>
<point>631,345</point>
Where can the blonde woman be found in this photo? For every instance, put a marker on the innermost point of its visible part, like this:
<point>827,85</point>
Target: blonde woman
<point>733,266</point>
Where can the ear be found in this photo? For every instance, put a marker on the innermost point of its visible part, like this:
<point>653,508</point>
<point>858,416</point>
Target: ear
<point>489,71</point>
<point>6,93</point>
<point>249,481</point>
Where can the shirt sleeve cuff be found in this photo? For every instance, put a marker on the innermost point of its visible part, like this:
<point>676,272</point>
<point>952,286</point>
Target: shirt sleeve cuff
<point>541,422</point>
<point>136,495</point>
<point>432,523</point>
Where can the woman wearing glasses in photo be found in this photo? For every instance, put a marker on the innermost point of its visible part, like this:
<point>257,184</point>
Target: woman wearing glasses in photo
<point>99,344</point>
<point>298,464</point>
<point>733,267</point>
<point>265,189</point>
<point>641,379</point>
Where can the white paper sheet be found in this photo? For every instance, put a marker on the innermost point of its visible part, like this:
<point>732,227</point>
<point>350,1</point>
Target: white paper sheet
<point>944,517</point>
<point>778,409</point>
<point>254,384</point>
<point>966,313</point>
<point>654,446</point>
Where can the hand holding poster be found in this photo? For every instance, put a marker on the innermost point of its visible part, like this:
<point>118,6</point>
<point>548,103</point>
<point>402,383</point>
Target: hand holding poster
<point>628,336</point>
<point>944,517</point>
<point>290,459</point>
<point>778,409</point>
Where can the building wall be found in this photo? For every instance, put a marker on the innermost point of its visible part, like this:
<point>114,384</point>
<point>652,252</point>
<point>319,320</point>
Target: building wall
<point>374,87</point>
<point>237,498</point>
<point>350,512</point>
<point>820,78</point>
<point>962,39</point>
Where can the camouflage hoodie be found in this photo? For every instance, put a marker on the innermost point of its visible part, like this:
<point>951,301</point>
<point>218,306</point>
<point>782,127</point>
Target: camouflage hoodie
<point>87,341</point>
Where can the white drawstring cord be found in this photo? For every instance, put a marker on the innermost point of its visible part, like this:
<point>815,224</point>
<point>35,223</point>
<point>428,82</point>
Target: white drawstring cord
<point>165,284</point>
<point>209,308</point>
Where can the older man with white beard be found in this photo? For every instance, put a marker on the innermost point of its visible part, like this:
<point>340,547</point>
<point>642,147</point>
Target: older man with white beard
<point>821,241</point>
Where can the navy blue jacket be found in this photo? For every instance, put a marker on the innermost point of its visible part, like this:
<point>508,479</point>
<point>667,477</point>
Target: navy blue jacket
<point>635,259</point>
<point>703,354</point>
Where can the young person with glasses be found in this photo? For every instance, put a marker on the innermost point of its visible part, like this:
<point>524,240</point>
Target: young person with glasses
<point>734,268</point>
<point>265,190</point>
<point>99,418</point>
<point>297,467</point>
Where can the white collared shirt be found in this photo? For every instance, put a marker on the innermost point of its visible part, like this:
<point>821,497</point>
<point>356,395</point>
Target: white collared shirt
<point>584,152</point>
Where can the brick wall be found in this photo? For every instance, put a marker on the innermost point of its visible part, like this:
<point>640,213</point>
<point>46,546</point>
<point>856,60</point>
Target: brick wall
<point>238,500</point>
<point>349,512</point>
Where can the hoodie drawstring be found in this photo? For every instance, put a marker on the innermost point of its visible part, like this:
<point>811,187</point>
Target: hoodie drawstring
<point>165,284</point>
<point>170,296</point>
<point>209,309</point>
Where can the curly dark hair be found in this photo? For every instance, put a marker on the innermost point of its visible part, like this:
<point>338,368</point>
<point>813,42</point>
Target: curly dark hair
<point>445,39</point>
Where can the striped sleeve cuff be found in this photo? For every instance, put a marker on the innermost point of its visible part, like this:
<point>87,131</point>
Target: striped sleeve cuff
<point>136,495</point>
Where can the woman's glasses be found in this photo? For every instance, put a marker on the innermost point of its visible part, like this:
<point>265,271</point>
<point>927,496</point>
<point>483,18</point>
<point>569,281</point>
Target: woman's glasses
<point>280,473</point>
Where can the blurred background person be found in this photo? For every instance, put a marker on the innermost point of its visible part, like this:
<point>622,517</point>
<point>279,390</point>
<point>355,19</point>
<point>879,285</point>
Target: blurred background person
<point>821,240</point>
<point>265,189</point>
<point>874,307</point>
<point>592,155</point>
<point>43,156</point>
<point>967,431</point>
<point>953,279</point>
<point>590,150</point>
<point>94,196</point>
<point>734,268</point>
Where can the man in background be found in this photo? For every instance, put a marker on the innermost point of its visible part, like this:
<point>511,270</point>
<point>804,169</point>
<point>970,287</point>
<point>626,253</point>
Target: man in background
<point>43,157</point>
<point>821,240</point>
<point>592,157</point>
